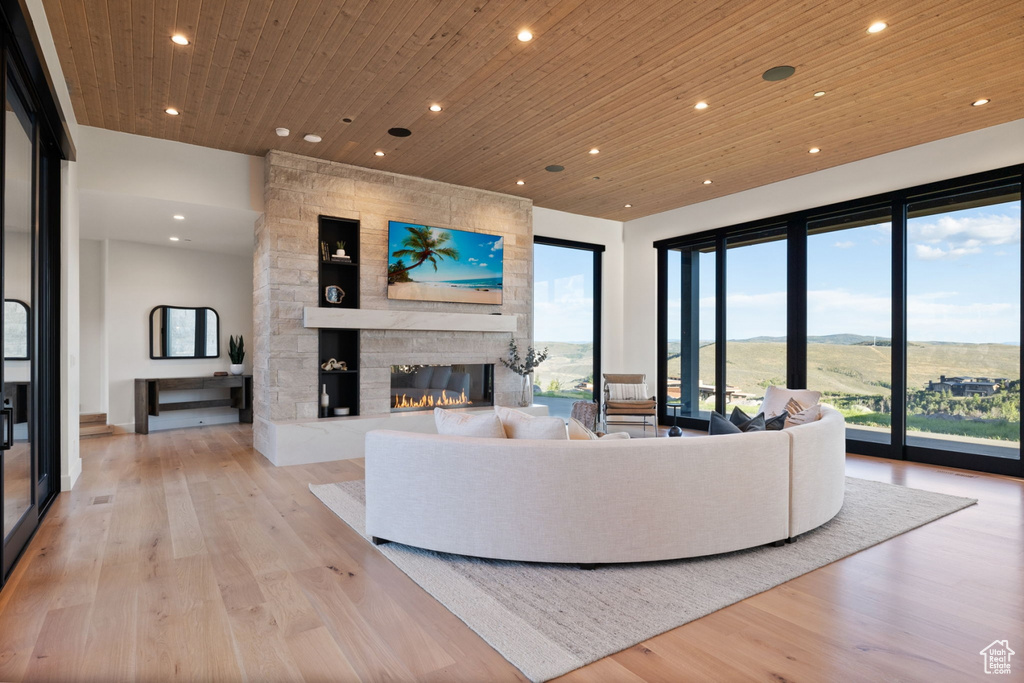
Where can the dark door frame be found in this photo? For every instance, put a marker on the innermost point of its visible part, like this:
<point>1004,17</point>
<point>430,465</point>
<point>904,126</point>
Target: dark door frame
<point>598,254</point>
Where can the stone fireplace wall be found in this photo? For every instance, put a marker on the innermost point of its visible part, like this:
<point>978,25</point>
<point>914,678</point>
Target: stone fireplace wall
<point>286,356</point>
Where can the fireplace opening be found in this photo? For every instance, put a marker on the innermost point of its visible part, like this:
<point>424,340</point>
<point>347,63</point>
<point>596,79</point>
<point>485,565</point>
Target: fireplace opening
<point>425,387</point>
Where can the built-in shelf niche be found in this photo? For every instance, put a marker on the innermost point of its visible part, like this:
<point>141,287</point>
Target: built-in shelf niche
<point>339,343</point>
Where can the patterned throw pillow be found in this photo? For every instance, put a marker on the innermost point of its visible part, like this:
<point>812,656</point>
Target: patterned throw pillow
<point>774,424</point>
<point>579,432</point>
<point>811,414</point>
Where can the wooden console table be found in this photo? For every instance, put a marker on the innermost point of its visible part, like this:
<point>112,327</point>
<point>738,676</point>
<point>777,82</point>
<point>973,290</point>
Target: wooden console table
<point>147,396</point>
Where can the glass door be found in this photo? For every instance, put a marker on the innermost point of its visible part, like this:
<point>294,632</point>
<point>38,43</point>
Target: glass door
<point>567,321</point>
<point>17,452</point>
<point>963,329</point>
<point>690,348</point>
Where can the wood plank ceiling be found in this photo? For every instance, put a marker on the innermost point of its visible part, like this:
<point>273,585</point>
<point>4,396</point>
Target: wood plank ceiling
<point>622,77</point>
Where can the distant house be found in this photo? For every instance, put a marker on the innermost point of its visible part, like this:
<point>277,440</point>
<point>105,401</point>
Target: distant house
<point>967,386</point>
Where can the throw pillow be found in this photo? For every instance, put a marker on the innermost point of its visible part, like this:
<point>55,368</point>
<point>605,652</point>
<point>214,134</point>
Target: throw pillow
<point>614,436</point>
<point>579,432</point>
<point>519,425</point>
<point>720,424</point>
<point>810,414</point>
<point>776,398</point>
<point>463,424</point>
<point>774,424</point>
<point>754,424</point>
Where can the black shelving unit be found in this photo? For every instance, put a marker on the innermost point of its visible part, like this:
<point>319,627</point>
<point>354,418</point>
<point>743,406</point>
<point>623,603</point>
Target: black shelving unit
<point>342,345</point>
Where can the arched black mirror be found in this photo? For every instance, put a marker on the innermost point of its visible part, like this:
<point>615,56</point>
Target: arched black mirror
<point>176,332</point>
<point>16,332</point>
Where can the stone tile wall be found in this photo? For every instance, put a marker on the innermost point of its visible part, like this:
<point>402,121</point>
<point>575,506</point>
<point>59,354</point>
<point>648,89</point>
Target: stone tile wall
<point>286,357</point>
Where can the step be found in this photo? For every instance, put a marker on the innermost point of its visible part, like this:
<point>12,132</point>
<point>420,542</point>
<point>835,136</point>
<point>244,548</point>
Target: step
<point>89,418</point>
<point>95,430</point>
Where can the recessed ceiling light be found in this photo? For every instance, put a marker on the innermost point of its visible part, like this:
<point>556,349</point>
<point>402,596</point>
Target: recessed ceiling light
<point>554,168</point>
<point>877,27</point>
<point>435,107</point>
<point>978,103</point>
<point>525,36</point>
<point>701,105</point>
<point>312,137</point>
<point>707,182</point>
<point>347,119</point>
<point>778,73</point>
<point>595,150</point>
<point>813,150</point>
<point>820,93</point>
<point>378,153</point>
<point>179,39</point>
<point>520,182</point>
<point>174,239</point>
<point>399,132</point>
<point>597,177</point>
<point>178,217</point>
<point>172,111</point>
<point>282,132</point>
<point>629,206</point>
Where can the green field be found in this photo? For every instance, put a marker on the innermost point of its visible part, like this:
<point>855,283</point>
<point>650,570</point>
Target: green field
<point>853,374</point>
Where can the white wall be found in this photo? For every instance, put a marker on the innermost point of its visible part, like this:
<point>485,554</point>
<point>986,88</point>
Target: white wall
<point>974,152</point>
<point>139,277</point>
<point>92,331</point>
<point>570,226</point>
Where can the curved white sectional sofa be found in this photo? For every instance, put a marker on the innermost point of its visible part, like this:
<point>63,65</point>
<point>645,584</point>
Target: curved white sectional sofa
<point>598,502</point>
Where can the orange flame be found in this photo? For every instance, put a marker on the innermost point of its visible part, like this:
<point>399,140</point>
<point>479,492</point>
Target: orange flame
<point>447,399</point>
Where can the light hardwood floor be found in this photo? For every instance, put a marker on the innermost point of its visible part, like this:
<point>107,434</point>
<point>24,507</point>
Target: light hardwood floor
<point>184,555</point>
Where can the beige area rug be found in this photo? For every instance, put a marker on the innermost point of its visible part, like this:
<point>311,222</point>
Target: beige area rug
<point>548,619</point>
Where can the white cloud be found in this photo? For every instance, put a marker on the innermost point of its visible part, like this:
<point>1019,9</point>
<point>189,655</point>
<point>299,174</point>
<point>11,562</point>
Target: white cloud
<point>843,245</point>
<point>928,253</point>
<point>499,245</point>
<point>490,256</point>
<point>483,265</point>
<point>473,260</point>
<point>966,231</point>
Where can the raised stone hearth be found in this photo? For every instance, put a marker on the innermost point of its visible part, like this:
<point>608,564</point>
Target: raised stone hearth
<point>286,359</point>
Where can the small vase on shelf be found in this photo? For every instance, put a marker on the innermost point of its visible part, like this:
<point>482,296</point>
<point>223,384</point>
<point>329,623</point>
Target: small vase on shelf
<point>237,368</point>
<point>325,402</point>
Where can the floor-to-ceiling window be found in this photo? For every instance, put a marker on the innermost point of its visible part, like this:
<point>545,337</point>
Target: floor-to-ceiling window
<point>690,346</point>
<point>566,322</point>
<point>902,309</point>
<point>755,316</point>
<point>849,318</point>
<point>963,323</point>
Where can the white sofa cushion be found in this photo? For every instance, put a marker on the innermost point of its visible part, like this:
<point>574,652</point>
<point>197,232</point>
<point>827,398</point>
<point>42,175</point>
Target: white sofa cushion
<point>612,436</point>
<point>579,432</point>
<point>519,425</point>
<point>806,415</point>
<point>776,400</point>
<point>454,423</point>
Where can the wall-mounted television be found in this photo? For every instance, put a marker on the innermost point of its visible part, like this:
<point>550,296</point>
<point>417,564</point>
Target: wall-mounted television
<point>439,264</point>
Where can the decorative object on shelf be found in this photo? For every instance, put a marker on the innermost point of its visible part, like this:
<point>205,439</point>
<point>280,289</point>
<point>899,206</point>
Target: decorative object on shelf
<point>220,373</point>
<point>334,294</point>
<point>325,401</point>
<point>236,352</point>
<point>524,367</point>
<point>332,364</point>
<point>340,248</point>
<point>341,412</point>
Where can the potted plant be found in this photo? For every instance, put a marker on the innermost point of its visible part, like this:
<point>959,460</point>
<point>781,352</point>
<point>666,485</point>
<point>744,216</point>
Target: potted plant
<point>340,248</point>
<point>236,352</point>
<point>524,367</point>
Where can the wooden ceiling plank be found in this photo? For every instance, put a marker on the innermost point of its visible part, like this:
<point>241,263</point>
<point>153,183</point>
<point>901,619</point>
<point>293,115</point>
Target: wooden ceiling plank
<point>78,34</point>
<point>220,44</point>
<point>204,35</point>
<point>187,16</point>
<point>119,22</point>
<point>65,54</point>
<point>659,143</point>
<point>164,15</point>
<point>141,46</point>
<point>365,130</point>
<point>272,53</point>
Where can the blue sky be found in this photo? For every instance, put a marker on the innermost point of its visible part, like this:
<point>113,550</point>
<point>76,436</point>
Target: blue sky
<point>563,295</point>
<point>963,281</point>
<point>480,255</point>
